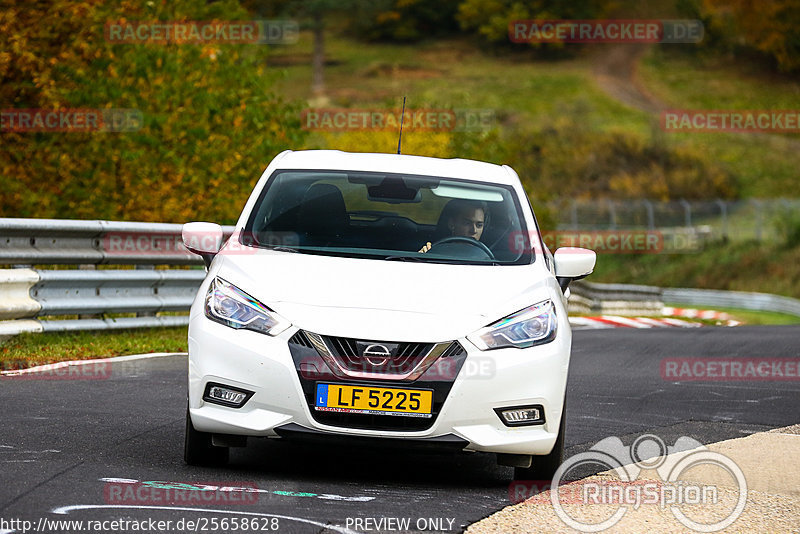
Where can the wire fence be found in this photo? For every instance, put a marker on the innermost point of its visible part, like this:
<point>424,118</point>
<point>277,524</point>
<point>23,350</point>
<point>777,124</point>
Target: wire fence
<point>752,219</point>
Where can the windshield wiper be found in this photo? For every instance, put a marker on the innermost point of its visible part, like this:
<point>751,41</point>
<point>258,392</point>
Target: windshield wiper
<point>449,261</point>
<point>403,258</point>
<point>283,249</point>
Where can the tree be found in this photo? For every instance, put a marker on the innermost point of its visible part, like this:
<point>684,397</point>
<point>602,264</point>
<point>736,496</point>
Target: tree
<point>209,122</point>
<point>315,15</point>
<point>772,28</point>
<point>490,18</point>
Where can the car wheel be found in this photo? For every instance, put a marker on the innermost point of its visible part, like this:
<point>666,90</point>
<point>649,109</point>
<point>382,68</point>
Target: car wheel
<point>198,449</point>
<point>544,467</point>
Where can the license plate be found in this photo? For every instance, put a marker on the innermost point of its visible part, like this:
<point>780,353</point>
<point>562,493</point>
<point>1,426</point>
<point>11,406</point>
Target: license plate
<point>372,400</point>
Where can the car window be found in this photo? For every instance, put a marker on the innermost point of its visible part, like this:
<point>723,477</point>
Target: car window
<point>388,216</point>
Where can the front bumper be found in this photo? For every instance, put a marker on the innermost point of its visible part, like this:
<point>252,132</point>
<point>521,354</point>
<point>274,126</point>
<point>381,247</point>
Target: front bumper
<point>485,381</point>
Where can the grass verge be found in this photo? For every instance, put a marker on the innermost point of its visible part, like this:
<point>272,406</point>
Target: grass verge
<point>53,347</point>
<point>737,266</point>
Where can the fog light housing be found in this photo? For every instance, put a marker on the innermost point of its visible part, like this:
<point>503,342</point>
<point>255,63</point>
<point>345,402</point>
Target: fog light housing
<point>521,415</point>
<point>226,395</point>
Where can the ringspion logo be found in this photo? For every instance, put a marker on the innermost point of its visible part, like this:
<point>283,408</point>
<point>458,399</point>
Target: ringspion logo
<point>671,491</point>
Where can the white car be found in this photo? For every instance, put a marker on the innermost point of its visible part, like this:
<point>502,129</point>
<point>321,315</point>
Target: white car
<point>397,298</point>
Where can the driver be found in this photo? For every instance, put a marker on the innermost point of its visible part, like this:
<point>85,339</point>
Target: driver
<point>466,218</point>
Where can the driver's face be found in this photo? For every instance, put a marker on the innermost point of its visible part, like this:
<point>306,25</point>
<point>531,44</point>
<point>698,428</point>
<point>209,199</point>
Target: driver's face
<point>468,223</point>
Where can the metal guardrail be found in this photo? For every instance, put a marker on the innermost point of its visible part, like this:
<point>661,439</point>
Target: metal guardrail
<point>92,292</point>
<point>29,295</point>
<point>56,241</point>
<point>732,299</point>
<point>614,299</point>
<point>627,299</point>
<point>29,298</point>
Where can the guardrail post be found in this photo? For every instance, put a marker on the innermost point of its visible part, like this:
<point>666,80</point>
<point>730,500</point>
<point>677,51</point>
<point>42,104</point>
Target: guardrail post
<point>759,218</point>
<point>574,214</point>
<point>687,213</point>
<point>155,289</point>
<point>651,219</point>
<point>89,267</point>
<point>723,209</point>
<point>612,214</point>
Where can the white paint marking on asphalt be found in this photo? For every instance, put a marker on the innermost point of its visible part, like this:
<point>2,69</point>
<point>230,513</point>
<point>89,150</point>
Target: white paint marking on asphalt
<point>6,447</point>
<point>120,480</point>
<point>18,461</point>
<point>58,365</point>
<point>33,452</point>
<point>64,510</point>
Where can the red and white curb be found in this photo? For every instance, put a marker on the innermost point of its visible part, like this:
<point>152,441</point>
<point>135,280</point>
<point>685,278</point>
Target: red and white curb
<point>616,321</point>
<point>692,313</point>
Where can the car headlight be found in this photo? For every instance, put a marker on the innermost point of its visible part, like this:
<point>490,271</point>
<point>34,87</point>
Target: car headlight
<point>229,305</point>
<point>534,325</point>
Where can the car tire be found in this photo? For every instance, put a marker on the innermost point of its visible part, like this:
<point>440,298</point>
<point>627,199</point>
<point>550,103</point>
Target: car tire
<point>544,467</point>
<point>198,449</point>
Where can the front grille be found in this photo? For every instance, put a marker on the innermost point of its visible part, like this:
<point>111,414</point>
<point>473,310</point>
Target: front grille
<point>301,339</point>
<point>405,358</point>
<point>312,369</point>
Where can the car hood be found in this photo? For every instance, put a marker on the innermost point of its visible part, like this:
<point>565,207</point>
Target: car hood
<point>385,300</point>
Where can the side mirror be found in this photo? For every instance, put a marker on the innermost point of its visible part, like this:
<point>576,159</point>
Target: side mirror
<point>202,238</point>
<point>573,264</point>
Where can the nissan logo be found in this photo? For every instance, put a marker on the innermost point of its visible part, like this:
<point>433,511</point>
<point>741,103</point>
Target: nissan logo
<point>377,355</point>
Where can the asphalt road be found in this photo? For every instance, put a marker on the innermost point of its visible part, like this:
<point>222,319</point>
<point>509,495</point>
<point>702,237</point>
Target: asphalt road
<point>61,438</point>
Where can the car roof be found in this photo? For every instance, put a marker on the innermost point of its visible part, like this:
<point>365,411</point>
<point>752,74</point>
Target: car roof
<point>396,163</point>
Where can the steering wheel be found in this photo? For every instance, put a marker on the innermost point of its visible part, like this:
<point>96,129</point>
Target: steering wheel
<point>466,240</point>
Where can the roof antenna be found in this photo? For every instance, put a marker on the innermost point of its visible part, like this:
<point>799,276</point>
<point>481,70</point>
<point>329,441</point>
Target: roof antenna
<point>402,116</point>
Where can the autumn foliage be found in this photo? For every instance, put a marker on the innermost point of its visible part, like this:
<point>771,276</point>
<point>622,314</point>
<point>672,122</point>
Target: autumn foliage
<point>210,122</point>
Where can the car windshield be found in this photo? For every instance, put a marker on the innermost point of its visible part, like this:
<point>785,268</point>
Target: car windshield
<point>388,216</point>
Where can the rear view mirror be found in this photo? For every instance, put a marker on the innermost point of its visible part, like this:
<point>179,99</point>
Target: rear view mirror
<point>573,263</point>
<point>393,191</point>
